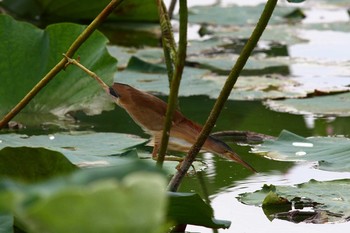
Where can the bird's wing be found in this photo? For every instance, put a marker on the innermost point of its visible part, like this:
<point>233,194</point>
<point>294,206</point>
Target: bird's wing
<point>185,129</point>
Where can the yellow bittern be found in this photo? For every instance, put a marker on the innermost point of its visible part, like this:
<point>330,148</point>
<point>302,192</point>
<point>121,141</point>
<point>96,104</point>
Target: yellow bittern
<point>148,111</point>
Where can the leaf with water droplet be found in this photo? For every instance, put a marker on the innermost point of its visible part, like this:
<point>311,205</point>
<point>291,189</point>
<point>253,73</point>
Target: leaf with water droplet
<point>331,153</point>
<point>81,148</point>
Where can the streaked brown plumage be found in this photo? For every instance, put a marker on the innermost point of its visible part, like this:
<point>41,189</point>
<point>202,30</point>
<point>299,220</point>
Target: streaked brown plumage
<point>149,112</point>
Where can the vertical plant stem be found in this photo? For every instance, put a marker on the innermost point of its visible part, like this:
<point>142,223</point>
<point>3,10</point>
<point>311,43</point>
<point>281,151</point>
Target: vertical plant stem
<point>168,42</point>
<point>61,64</point>
<point>171,8</point>
<point>224,94</point>
<point>168,62</point>
<point>175,83</point>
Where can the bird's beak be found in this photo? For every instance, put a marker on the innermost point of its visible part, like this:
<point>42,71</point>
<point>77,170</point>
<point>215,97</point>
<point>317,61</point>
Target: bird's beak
<point>113,92</point>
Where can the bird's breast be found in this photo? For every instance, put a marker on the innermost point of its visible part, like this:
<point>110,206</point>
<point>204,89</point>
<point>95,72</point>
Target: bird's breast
<point>179,144</point>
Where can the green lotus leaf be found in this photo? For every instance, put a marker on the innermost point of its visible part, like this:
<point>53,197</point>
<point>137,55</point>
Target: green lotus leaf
<point>32,164</point>
<point>330,153</point>
<point>137,203</point>
<point>331,105</point>
<point>84,149</point>
<point>70,90</point>
<point>312,202</point>
<point>234,15</point>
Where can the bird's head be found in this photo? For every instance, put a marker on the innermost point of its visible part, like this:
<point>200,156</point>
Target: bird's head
<point>122,94</point>
<point>113,92</point>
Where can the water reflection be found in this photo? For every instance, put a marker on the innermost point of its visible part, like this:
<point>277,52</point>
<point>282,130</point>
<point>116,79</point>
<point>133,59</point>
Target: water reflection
<point>302,144</point>
<point>319,50</point>
<point>300,153</point>
<point>309,121</point>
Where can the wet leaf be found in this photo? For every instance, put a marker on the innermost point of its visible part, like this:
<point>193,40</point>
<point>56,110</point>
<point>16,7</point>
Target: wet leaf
<point>264,77</point>
<point>68,91</point>
<point>330,153</point>
<point>254,87</point>
<point>234,15</point>
<point>272,199</point>
<point>84,149</point>
<point>224,63</point>
<point>202,82</point>
<point>337,27</point>
<point>338,105</point>
<point>274,33</point>
<point>313,202</point>
<point>336,2</point>
<point>191,84</point>
<point>123,54</point>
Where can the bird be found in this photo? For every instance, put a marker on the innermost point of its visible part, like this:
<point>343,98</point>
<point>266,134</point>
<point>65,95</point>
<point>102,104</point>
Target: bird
<point>148,111</point>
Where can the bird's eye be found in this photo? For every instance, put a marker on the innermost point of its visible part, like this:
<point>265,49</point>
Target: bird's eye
<point>113,93</point>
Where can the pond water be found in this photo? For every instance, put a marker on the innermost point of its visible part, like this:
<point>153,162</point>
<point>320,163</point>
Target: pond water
<point>322,61</point>
<point>224,180</point>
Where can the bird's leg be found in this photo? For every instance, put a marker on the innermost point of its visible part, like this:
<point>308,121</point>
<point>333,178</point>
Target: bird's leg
<point>167,158</point>
<point>155,151</point>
